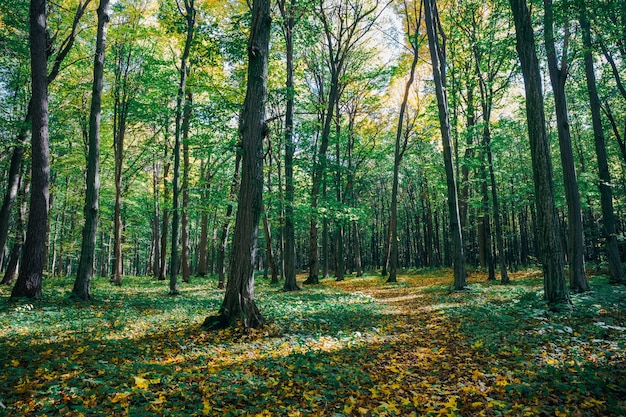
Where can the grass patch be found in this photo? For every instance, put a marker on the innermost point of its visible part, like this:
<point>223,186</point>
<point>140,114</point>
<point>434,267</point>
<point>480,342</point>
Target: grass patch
<point>356,347</point>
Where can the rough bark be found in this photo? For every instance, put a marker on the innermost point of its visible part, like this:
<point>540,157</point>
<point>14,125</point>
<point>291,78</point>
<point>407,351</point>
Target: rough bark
<point>548,230</point>
<point>82,284</point>
<point>239,298</point>
<point>616,269</point>
<point>576,243</point>
<point>29,280</point>
<point>437,54</point>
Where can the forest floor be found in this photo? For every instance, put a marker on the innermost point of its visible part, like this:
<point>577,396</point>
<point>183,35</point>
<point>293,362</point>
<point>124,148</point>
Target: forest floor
<point>360,347</point>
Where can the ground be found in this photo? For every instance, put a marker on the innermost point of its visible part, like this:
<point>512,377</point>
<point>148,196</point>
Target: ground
<point>354,348</point>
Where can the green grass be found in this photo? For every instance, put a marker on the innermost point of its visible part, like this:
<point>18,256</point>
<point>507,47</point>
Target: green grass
<point>358,347</point>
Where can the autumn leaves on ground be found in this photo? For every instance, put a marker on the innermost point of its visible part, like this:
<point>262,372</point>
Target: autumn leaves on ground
<point>355,348</point>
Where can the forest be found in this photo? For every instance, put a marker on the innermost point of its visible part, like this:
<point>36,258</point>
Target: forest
<point>373,207</point>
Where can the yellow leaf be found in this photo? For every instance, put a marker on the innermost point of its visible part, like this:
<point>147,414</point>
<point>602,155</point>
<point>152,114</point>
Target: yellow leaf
<point>478,344</point>
<point>559,413</point>
<point>477,404</point>
<point>348,409</point>
<point>15,362</point>
<point>207,408</point>
<point>476,375</point>
<point>141,383</point>
<point>363,410</point>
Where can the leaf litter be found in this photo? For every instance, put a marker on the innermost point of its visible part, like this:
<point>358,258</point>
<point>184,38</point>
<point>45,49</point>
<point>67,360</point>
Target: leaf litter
<point>359,347</point>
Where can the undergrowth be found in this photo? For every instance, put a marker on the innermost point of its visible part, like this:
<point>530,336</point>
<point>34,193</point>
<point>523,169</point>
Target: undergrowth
<point>358,347</point>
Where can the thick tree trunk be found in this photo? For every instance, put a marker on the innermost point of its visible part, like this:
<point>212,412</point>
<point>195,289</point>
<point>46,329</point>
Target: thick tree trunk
<point>30,277</point>
<point>82,284</point>
<point>239,297</point>
<point>616,269</point>
<point>548,230</point>
<point>437,55</point>
<point>576,242</point>
<point>165,220</point>
<point>25,127</point>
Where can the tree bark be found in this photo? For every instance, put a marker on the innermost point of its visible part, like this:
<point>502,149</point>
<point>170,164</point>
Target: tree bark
<point>239,298</point>
<point>548,230</point>
<point>29,279</point>
<point>437,54</point>
<point>616,269</point>
<point>576,243</point>
<point>82,284</point>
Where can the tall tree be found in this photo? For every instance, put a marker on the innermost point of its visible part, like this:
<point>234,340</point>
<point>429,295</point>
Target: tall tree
<point>436,42</point>
<point>190,18</point>
<point>82,284</point>
<point>413,19</point>
<point>344,24</point>
<point>616,269</point>
<point>239,297</point>
<point>287,11</point>
<point>30,277</point>
<point>24,128</point>
<point>558,76</point>
<point>555,287</point>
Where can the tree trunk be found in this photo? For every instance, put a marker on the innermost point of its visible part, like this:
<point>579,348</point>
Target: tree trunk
<point>239,297</point>
<point>184,256</point>
<point>156,230</point>
<point>165,220</point>
<point>203,264</point>
<point>400,147</point>
<point>221,250</point>
<point>82,284</point>
<point>438,57</point>
<point>616,269</point>
<point>271,262</point>
<point>29,279</point>
<point>576,242</point>
<point>555,288</point>
<point>190,18</point>
<point>289,252</point>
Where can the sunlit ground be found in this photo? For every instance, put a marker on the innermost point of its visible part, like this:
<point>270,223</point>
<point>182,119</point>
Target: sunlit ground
<point>357,347</point>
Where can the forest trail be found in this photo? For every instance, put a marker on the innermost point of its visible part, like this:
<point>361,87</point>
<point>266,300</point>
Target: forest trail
<point>438,362</point>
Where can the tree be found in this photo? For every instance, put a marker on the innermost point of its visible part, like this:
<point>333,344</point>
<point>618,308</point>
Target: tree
<point>22,134</point>
<point>239,297</point>
<point>555,287</point>
<point>82,284</point>
<point>344,24</point>
<point>287,12</point>
<point>558,76</point>
<point>190,19</point>
<point>30,277</point>
<point>438,58</point>
<point>413,20</point>
<point>616,269</point>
